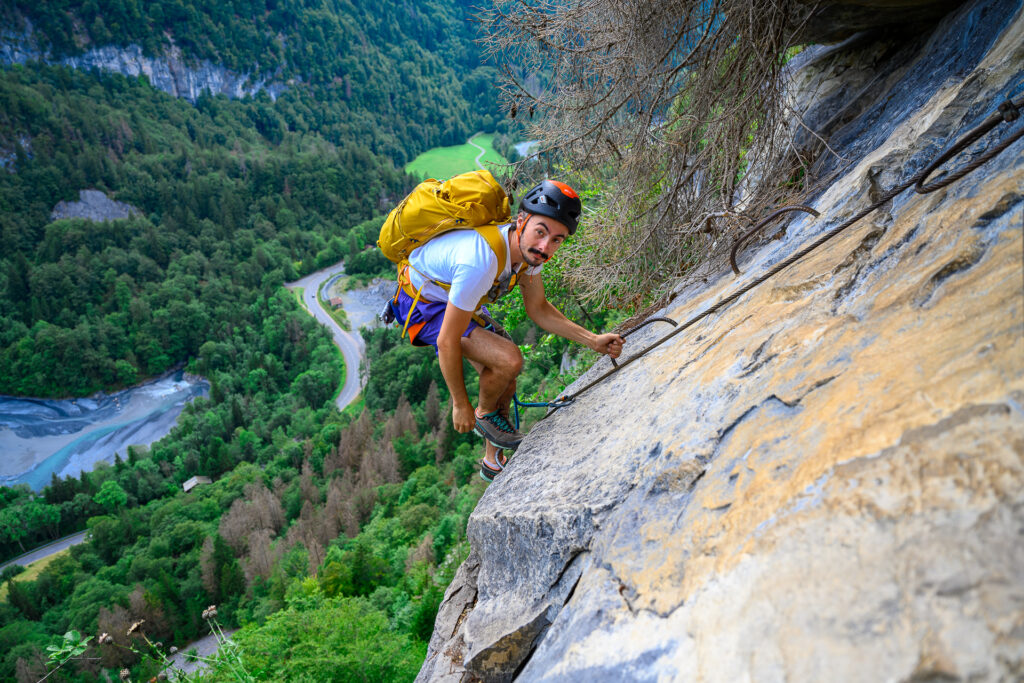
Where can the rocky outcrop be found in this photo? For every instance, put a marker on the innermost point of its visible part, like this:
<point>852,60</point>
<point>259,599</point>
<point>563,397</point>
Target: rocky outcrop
<point>823,480</point>
<point>169,72</point>
<point>833,20</point>
<point>93,205</point>
<point>9,153</point>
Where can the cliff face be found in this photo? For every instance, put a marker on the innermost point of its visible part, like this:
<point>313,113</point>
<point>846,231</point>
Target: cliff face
<point>169,73</point>
<point>823,480</point>
<point>93,205</point>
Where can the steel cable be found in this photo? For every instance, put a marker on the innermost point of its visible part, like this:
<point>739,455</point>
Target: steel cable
<point>1007,112</point>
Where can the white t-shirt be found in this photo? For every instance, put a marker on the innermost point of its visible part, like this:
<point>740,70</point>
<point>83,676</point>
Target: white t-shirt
<point>465,260</point>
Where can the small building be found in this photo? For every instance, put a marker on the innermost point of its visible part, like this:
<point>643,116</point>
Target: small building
<point>336,302</point>
<point>193,482</point>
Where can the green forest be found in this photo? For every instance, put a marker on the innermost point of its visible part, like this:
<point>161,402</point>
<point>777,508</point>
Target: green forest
<point>395,78</point>
<point>237,193</point>
<point>329,537</point>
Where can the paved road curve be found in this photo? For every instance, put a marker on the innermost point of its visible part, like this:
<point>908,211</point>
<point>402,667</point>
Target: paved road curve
<point>350,347</point>
<point>46,550</point>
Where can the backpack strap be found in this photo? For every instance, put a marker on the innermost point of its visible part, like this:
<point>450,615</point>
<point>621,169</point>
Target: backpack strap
<point>495,240</point>
<point>492,235</point>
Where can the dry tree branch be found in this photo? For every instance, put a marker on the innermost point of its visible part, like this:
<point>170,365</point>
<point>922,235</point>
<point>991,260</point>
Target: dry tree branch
<point>664,107</point>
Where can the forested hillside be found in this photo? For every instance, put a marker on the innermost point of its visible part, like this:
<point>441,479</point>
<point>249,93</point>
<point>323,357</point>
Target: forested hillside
<point>271,185</point>
<point>339,516</point>
<point>227,216</point>
<point>315,516</point>
<point>396,77</point>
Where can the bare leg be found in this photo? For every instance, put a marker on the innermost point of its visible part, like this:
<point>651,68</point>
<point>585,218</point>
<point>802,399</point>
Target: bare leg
<point>504,401</point>
<point>498,361</point>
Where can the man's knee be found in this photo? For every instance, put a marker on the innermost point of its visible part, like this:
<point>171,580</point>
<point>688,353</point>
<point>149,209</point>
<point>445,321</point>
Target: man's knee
<point>510,364</point>
<point>515,361</point>
<point>508,361</point>
<point>500,355</point>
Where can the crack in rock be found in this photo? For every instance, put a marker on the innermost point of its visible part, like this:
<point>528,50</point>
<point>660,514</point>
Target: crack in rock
<point>963,261</point>
<point>1008,202</point>
<point>505,657</point>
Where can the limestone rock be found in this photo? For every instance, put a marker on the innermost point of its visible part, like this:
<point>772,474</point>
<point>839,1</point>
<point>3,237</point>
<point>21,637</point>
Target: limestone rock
<point>93,205</point>
<point>459,600</point>
<point>170,72</point>
<point>821,481</point>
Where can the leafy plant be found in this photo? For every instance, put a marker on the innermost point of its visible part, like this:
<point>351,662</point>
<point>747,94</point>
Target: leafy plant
<point>71,646</point>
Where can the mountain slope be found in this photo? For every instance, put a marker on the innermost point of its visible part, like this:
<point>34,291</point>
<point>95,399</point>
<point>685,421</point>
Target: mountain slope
<point>823,480</point>
<point>231,192</point>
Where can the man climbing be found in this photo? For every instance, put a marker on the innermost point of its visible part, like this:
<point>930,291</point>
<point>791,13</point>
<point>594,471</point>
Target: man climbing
<point>450,274</point>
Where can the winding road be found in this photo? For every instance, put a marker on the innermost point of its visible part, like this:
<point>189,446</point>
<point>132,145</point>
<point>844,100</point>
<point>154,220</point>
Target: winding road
<point>46,550</point>
<point>482,151</point>
<point>351,349</point>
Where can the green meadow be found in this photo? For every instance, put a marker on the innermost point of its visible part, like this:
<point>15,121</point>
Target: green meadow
<point>445,162</point>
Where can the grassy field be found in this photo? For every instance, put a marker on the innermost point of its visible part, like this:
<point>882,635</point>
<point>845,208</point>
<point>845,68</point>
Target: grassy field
<point>445,162</point>
<point>31,572</point>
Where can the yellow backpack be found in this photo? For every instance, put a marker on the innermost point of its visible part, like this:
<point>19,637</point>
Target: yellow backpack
<point>473,200</point>
<point>468,200</point>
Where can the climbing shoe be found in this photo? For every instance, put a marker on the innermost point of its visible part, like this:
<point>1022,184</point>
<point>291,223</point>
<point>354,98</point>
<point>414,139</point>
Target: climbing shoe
<point>488,472</point>
<point>498,431</point>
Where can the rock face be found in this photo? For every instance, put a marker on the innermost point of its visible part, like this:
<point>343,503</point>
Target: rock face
<point>169,73</point>
<point>832,20</point>
<point>823,480</point>
<point>9,154</point>
<point>93,205</point>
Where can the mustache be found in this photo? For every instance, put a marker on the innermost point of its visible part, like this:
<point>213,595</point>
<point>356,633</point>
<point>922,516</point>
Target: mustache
<point>537,252</point>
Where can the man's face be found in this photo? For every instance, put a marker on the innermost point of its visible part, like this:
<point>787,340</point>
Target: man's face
<point>540,237</point>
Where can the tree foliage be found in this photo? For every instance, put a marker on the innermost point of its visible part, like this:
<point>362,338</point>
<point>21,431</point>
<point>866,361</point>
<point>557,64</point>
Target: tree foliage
<point>110,496</point>
<point>341,639</point>
<point>396,78</point>
<point>358,516</point>
<point>228,218</point>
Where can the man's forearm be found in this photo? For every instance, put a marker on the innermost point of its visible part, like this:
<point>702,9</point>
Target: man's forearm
<point>552,320</point>
<point>449,356</point>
